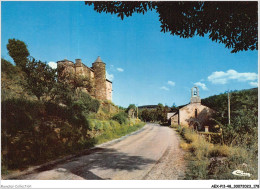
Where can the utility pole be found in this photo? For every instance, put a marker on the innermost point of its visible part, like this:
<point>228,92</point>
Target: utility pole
<point>228,108</point>
<point>137,111</point>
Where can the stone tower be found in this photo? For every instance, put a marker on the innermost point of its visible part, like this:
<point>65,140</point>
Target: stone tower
<point>65,68</point>
<point>99,68</point>
<point>79,67</point>
<point>195,98</point>
<point>94,78</point>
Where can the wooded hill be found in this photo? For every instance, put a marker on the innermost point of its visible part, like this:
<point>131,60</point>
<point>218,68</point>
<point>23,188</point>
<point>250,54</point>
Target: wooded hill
<point>244,115</point>
<point>43,119</point>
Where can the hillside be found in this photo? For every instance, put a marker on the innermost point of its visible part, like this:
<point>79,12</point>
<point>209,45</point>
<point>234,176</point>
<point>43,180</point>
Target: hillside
<point>66,121</point>
<point>12,82</point>
<point>244,100</point>
<point>244,116</point>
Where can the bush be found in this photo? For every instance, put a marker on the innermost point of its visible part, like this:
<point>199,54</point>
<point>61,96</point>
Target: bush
<point>81,108</point>
<point>209,161</point>
<point>45,130</point>
<point>120,117</point>
<point>20,114</point>
<point>94,105</point>
<point>220,150</point>
<point>112,129</point>
<point>9,69</point>
<point>53,109</point>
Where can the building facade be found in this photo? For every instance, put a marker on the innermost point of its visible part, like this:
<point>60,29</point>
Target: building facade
<point>94,77</point>
<point>193,114</point>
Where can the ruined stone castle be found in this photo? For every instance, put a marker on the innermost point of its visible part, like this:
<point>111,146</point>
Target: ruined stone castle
<point>96,76</point>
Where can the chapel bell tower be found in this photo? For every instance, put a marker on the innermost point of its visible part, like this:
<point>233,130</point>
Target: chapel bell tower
<point>195,98</point>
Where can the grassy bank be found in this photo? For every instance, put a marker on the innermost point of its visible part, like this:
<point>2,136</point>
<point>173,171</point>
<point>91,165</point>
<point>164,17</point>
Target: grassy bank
<point>104,131</point>
<point>34,132</point>
<point>215,161</point>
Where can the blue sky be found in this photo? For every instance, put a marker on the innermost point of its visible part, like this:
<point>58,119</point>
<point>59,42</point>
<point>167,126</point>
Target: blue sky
<point>146,65</point>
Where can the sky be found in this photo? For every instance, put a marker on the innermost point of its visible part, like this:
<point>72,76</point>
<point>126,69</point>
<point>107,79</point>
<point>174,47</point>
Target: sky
<point>146,66</point>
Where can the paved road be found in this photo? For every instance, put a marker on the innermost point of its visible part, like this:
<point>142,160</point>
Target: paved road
<point>153,153</point>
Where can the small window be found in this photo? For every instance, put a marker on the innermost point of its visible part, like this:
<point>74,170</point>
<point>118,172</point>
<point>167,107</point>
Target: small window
<point>196,113</point>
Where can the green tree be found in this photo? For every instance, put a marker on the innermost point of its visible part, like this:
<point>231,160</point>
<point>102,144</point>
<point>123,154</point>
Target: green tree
<point>174,107</point>
<point>233,23</point>
<point>131,106</point>
<point>153,115</point>
<point>244,116</point>
<point>159,112</point>
<point>18,51</point>
<point>62,93</point>
<point>148,115</point>
<point>145,115</point>
<point>40,78</point>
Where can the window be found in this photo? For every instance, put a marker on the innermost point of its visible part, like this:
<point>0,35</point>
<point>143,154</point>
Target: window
<point>196,113</point>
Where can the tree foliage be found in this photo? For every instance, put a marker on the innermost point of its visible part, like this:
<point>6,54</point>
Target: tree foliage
<point>158,114</point>
<point>244,115</point>
<point>40,78</point>
<point>18,51</point>
<point>233,23</point>
<point>131,106</point>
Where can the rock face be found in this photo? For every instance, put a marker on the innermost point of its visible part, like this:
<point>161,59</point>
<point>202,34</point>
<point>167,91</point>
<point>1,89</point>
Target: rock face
<point>95,77</point>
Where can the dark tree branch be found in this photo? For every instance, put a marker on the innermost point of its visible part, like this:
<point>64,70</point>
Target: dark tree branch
<point>233,23</point>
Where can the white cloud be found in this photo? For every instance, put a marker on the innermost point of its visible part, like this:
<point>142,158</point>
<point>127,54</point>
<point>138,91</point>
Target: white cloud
<point>253,84</point>
<point>164,88</point>
<point>171,83</point>
<point>202,85</point>
<point>53,65</point>
<point>120,69</point>
<point>109,76</point>
<point>220,77</point>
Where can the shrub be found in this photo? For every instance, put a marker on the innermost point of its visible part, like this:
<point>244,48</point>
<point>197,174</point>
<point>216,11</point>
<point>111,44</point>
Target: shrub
<point>185,146</point>
<point>20,114</point>
<point>209,161</point>
<point>94,105</point>
<point>84,103</point>
<point>53,109</point>
<point>114,130</point>
<point>9,69</point>
<point>220,150</point>
<point>120,117</point>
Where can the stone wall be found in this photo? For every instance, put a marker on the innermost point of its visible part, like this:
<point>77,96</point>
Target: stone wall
<point>102,88</point>
<point>175,119</point>
<point>169,115</point>
<point>194,112</point>
<point>82,70</point>
<point>65,69</point>
<point>109,90</point>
